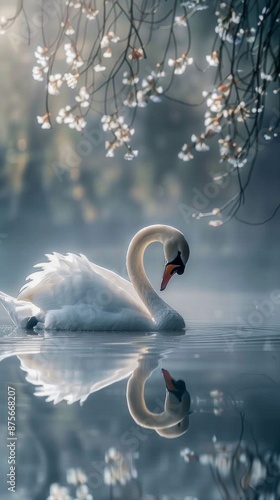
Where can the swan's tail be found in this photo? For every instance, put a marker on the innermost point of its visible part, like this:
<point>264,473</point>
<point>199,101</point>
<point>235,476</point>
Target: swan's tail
<point>20,311</point>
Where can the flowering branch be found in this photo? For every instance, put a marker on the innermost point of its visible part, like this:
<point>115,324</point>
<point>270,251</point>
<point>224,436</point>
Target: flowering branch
<point>98,59</point>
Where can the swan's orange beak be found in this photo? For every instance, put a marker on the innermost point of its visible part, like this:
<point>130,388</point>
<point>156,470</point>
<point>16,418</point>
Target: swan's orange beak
<point>170,270</point>
<point>168,380</point>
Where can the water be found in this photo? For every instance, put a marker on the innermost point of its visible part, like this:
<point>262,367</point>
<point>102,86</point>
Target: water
<point>231,449</point>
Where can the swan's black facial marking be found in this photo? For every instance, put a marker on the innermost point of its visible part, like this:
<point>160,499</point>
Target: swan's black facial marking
<point>176,387</point>
<point>180,266</point>
<point>171,268</point>
<point>179,389</point>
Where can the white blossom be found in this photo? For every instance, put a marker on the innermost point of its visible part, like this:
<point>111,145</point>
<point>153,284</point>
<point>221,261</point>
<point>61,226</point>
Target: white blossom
<point>185,154</point>
<point>215,223</point>
<point>188,455</point>
<point>242,112</point>
<point>68,28</point>
<point>142,99</point>
<point>111,37</point>
<point>160,73</point>
<point>130,100</point>
<point>224,145</point>
<point>136,55</point>
<point>195,4</point>
<point>83,97</point>
<point>205,459</point>
<point>72,57</point>
<point>200,145</point>
<point>111,122</point>
<point>151,87</point>
<point>111,146</point>
<point>58,492</point>
<point>181,20</point>
<point>180,64</point>
<point>107,53</point>
<point>99,68</point>
<point>82,493</point>
<point>235,18</point>
<point>215,102</point>
<point>71,80</point>
<point>44,121</point>
<point>42,58</point>
<point>41,54</point>
<point>91,13</point>
<point>120,468</point>
<point>130,79</point>
<point>216,211</point>
<point>3,24</point>
<point>124,133</point>
<point>54,84</point>
<point>250,34</point>
<point>65,115</point>
<point>266,76</point>
<point>130,155</point>
<point>78,123</point>
<point>38,73</point>
<point>213,59</point>
<point>76,476</point>
<point>212,123</point>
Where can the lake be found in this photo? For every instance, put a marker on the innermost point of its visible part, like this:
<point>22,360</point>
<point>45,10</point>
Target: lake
<point>74,432</point>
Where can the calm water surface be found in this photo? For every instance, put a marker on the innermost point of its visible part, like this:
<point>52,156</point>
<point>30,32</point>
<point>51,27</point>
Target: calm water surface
<point>231,449</point>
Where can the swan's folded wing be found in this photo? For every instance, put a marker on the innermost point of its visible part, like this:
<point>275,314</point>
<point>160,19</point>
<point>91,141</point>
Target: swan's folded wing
<point>115,278</point>
<point>72,280</point>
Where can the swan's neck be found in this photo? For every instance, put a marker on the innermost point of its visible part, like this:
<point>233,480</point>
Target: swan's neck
<point>137,406</point>
<point>164,316</point>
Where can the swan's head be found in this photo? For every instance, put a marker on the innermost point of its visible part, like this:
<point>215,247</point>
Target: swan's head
<point>177,402</point>
<point>175,387</point>
<point>177,252</point>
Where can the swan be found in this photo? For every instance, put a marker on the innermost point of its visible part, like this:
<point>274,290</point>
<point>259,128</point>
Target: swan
<point>174,420</point>
<point>71,293</point>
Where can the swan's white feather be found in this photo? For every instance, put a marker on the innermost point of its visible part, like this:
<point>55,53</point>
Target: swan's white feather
<point>56,380</point>
<point>77,294</point>
<point>18,310</point>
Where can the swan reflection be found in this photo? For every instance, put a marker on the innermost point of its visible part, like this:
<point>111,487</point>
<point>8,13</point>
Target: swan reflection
<point>174,420</point>
<point>59,374</point>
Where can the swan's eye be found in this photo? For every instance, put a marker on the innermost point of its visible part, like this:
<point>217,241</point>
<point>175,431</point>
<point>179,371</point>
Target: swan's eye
<point>180,270</point>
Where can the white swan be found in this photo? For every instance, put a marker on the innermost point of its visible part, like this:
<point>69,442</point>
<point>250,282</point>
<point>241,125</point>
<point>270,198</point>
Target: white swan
<point>174,420</point>
<point>71,293</point>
